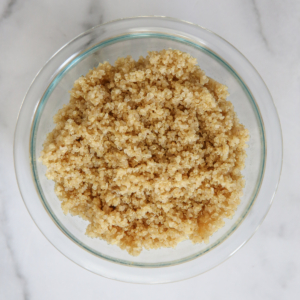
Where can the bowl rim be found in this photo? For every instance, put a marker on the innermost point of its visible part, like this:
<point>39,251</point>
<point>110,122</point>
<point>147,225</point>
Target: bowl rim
<point>136,18</point>
<point>35,176</point>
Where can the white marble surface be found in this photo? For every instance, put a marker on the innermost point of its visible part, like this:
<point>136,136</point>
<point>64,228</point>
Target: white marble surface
<point>268,33</point>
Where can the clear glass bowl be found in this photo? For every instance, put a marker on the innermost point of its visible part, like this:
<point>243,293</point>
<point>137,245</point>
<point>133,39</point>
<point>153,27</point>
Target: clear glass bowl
<point>135,36</point>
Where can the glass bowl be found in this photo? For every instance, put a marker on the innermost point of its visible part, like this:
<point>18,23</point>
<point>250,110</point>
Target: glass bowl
<point>135,36</point>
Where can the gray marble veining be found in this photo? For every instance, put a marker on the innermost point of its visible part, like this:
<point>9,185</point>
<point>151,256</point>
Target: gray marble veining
<point>8,9</point>
<point>260,25</point>
<point>20,291</point>
<point>95,15</point>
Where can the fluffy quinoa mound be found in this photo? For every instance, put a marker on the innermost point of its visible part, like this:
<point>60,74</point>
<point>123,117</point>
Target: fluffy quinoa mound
<point>150,152</point>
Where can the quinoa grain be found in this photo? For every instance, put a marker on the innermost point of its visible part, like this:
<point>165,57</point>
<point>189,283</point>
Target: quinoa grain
<point>150,152</point>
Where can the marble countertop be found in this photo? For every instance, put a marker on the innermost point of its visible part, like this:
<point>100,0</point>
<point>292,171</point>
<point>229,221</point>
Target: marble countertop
<point>267,33</point>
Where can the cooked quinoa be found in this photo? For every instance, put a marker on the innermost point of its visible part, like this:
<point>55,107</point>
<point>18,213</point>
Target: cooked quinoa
<point>150,152</point>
